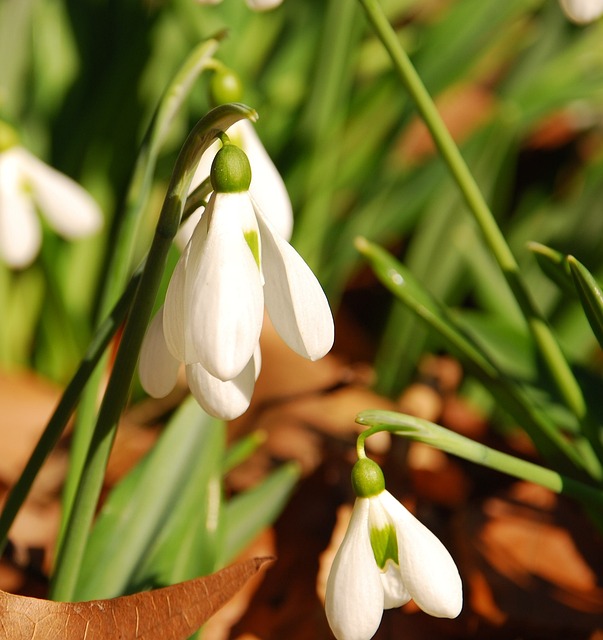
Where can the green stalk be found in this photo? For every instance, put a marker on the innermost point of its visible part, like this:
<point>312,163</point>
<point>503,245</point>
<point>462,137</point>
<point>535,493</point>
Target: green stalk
<point>65,408</point>
<point>118,269</point>
<point>432,434</point>
<point>84,505</point>
<point>548,346</point>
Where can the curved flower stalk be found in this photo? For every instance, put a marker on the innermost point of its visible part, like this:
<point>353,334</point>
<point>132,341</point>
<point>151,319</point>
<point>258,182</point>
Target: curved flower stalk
<point>387,558</point>
<point>582,11</point>
<point>234,263</point>
<point>267,188</point>
<point>27,183</point>
<point>256,5</point>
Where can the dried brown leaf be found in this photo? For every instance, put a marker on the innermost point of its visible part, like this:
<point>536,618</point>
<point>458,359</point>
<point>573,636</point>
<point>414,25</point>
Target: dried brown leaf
<point>171,613</point>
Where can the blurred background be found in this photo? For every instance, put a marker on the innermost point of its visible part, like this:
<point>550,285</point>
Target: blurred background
<point>521,90</point>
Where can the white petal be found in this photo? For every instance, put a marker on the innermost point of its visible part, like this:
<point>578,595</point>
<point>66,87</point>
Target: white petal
<point>394,591</point>
<point>20,235</point>
<point>263,5</point>
<point>69,208</point>
<point>158,369</point>
<point>428,571</point>
<point>224,400</point>
<point>224,302</point>
<point>174,306</point>
<point>354,595</point>
<point>267,187</point>
<point>294,298</point>
<point>582,11</point>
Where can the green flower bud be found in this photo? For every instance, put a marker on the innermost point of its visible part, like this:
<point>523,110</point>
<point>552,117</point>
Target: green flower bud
<point>225,86</point>
<point>367,478</point>
<point>230,170</point>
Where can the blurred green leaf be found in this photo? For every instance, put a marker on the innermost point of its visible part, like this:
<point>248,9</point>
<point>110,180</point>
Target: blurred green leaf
<point>590,296</point>
<point>554,265</point>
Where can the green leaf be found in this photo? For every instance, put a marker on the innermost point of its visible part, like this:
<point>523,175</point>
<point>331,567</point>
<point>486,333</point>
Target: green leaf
<point>554,265</point>
<point>137,508</point>
<point>590,296</point>
<point>248,513</point>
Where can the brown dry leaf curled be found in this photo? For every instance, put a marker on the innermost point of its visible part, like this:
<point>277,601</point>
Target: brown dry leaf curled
<point>171,613</point>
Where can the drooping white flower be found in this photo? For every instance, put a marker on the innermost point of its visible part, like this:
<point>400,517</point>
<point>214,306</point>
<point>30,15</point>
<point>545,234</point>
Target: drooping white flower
<point>267,187</point>
<point>256,5</point>
<point>386,558</point>
<point>233,265</point>
<point>582,11</point>
<point>27,183</point>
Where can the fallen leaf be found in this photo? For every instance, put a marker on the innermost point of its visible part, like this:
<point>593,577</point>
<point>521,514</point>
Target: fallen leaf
<point>171,613</point>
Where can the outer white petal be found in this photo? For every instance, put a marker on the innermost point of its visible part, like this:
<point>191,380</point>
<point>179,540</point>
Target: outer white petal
<point>582,11</point>
<point>225,400</point>
<point>224,301</point>
<point>354,595</point>
<point>69,208</point>
<point>20,235</point>
<point>263,5</point>
<point>174,317</point>
<point>158,369</point>
<point>297,305</point>
<point>428,571</point>
<point>267,188</point>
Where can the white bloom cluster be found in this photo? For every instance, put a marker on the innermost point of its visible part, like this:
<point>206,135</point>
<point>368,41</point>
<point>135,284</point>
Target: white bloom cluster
<point>26,183</point>
<point>387,558</point>
<point>235,262</point>
<point>582,11</point>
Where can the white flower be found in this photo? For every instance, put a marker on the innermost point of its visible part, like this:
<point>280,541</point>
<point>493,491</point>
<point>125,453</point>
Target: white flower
<point>582,11</point>
<point>413,563</point>
<point>27,183</point>
<point>234,263</point>
<point>267,187</point>
<point>256,5</point>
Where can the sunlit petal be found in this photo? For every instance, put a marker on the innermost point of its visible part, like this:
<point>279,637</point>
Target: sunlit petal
<point>20,235</point>
<point>294,298</point>
<point>263,5</point>
<point>428,571</point>
<point>354,595</point>
<point>582,11</point>
<point>226,400</point>
<point>158,369</point>
<point>394,591</point>
<point>224,300</point>
<point>69,208</point>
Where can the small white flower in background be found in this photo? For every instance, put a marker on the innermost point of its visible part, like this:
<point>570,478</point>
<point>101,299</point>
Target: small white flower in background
<point>256,5</point>
<point>234,263</point>
<point>26,183</point>
<point>267,187</point>
<point>387,558</point>
<point>582,11</point>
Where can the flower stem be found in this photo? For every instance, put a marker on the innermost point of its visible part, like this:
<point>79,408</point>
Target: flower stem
<point>432,434</point>
<point>558,366</point>
<point>120,263</point>
<point>84,505</point>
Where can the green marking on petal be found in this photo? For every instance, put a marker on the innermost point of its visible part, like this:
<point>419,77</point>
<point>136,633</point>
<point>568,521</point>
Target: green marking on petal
<point>253,241</point>
<point>385,545</point>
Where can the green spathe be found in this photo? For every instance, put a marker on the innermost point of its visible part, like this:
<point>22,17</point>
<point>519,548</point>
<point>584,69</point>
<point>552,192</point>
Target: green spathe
<point>367,478</point>
<point>230,170</point>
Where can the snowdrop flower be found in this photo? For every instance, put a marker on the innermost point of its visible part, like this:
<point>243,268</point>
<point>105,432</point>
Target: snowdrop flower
<point>267,188</point>
<point>26,183</point>
<point>234,263</point>
<point>386,558</point>
<point>256,5</point>
<point>582,11</point>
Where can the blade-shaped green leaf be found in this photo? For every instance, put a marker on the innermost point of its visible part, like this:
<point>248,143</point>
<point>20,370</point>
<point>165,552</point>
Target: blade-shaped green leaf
<point>590,296</point>
<point>554,265</point>
<point>138,506</point>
